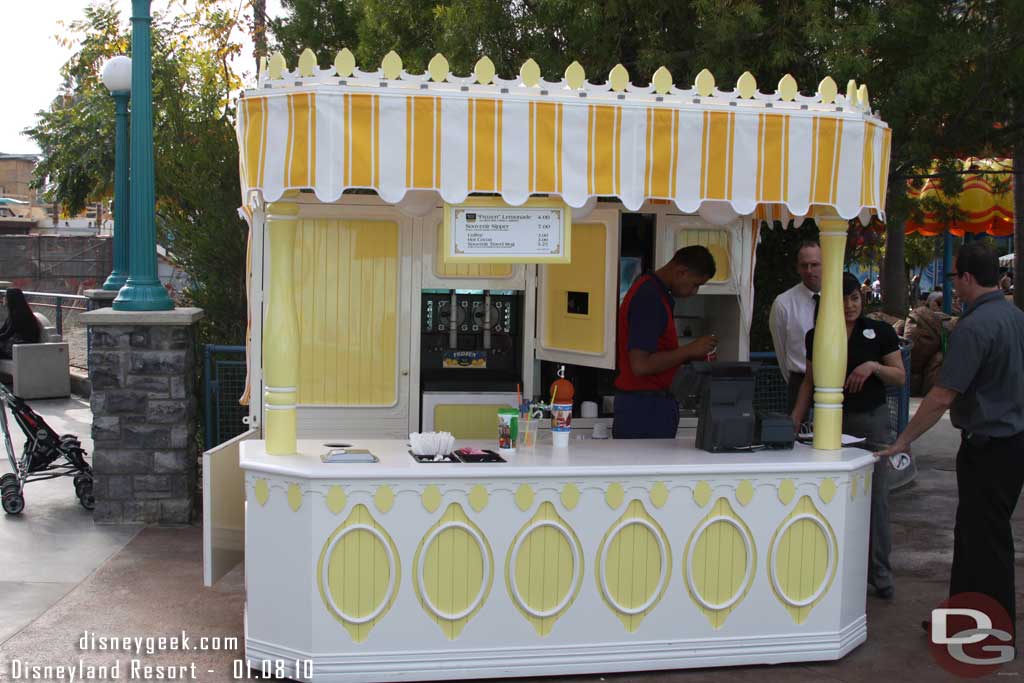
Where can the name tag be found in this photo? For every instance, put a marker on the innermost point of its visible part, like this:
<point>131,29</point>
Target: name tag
<point>869,334</point>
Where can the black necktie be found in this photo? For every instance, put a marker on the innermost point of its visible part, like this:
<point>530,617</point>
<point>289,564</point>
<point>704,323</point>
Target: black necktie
<point>817,304</point>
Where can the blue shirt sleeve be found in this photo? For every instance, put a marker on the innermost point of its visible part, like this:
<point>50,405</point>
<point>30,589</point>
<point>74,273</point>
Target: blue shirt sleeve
<point>647,320</point>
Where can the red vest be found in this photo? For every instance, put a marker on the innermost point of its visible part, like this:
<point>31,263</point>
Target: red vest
<point>668,340</point>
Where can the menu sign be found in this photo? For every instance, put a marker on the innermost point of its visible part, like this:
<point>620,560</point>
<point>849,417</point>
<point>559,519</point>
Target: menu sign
<point>507,234</point>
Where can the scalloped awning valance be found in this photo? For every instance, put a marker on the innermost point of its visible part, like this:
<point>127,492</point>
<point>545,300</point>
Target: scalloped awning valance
<point>514,140</point>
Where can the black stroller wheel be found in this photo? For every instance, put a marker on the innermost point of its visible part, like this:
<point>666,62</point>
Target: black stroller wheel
<point>83,490</point>
<point>88,501</point>
<point>13,503</point>
<point>9,478</point>
<point>10,487</point>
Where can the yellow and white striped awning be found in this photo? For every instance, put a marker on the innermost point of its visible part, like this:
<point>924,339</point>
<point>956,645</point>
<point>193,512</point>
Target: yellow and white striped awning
<point>339,128</point>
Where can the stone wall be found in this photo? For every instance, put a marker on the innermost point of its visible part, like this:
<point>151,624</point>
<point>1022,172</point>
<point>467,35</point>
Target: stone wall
<point>55,263</point>
<point>144,422</point>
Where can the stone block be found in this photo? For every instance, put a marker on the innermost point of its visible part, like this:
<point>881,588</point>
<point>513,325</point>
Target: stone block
<point>108,512</point>
<point>155,387</point>
<point>142,511</point>
<point>176,511</point>
<point>124,402</point>
<point>139,338</point>
<point>179,388</point>
<point>99,486</point>
<point>102,338</point>
<point>181,485</point>
<point>170,462</point>
<point>166,412</point>
<point>106,429</point>
<point>119,487</point>
<point>122,461</point>
<point>158,362</point>
<point>171,338</point>
<point>153,483</point>
<point>181,436</point>
<point>147,436</point>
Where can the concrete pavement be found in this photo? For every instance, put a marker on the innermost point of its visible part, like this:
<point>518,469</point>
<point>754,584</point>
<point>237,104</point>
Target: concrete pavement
<point>74,577</point>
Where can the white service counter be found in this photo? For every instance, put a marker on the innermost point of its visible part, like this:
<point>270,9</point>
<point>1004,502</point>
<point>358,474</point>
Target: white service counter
<point>606,556</point>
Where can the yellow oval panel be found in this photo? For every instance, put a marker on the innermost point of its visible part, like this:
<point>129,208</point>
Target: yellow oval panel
<point>358,573</point>
<point>632,565</point>
<point>454,570</point>
<point>544,569</point>
<point>803,559</point>
<point>718,566</point>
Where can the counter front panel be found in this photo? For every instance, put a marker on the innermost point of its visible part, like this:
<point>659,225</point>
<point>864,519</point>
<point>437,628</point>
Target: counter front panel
<point>555,563</point>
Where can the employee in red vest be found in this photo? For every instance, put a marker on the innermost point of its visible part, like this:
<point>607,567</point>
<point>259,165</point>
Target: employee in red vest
<point>647,346</point>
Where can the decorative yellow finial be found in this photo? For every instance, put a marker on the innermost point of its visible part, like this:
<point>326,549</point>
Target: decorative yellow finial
<point>345,63</point>
<point>851,92</point>
<point>746,85</point>
<point>788,89</point>
<point>862,97</point>
<point>307,60</point>
<point>392,65</point>
<point>704,83</point>
<point>277,66</point>
<point>619,78</point>
<point>575,76</point>
<point>529,73</point>
<point>438,68</point>
<point>828,90</point>
<point>662,80</point>
<point>484,70</point>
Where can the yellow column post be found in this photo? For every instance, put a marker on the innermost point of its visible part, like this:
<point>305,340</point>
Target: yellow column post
<point>830,336</point>
<point>281,332</point>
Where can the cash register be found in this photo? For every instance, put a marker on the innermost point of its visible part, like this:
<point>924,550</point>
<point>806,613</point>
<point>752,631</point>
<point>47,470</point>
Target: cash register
<point>722,394</point>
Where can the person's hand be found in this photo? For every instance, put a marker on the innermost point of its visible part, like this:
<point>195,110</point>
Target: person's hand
<point>897,447</point>
<point>702,346</point>
<point>860,374</point>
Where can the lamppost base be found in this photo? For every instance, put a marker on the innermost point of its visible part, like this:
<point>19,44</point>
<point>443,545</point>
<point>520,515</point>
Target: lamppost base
<point>143,296</point>
<point>114,282</point>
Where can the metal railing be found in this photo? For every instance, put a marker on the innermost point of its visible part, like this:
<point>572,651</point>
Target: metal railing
<point>63,310</point>
<point>223,384</point>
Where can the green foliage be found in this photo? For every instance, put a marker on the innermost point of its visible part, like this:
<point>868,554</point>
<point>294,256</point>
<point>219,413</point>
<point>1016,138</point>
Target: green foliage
<point>195,150</point>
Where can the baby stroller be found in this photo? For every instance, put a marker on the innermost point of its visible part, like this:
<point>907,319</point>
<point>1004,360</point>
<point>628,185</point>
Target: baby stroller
<point>46,456</point>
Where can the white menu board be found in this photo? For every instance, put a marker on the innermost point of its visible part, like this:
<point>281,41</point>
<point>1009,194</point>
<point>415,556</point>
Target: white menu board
<point>476,233</point>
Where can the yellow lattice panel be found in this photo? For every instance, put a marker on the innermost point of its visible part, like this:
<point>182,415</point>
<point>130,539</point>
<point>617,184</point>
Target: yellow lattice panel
<point>347,302</point>
<point>359,573</point>
<point>716,241</point>
<point>565,329</point>
<point>803,559</point>
<point>719,563</point>
<point>468,421</point>
<point>633,564</point>
<point>465,270</point>
<point>544,568</point>
<point>453,571</point>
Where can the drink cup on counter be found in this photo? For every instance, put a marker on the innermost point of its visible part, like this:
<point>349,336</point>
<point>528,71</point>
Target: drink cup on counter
<point>508,426</point>
<point>527,434</point>
<point>561,424</point>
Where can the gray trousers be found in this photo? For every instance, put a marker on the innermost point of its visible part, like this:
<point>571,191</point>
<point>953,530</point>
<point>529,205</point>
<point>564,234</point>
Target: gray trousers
<point>874,426</point>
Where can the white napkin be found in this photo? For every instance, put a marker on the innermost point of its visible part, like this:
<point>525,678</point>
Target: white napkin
<point>432,443</point>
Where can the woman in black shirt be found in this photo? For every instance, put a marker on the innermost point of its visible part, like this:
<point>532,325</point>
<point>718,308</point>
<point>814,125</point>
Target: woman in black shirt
<point>20,327</point>
<point>873,359</point>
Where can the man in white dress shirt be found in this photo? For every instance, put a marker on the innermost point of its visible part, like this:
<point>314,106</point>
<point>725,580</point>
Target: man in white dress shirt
<point>793,314</point>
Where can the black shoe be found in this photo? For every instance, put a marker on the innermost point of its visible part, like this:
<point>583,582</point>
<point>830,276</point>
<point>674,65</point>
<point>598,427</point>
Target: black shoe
<point>885,593</point>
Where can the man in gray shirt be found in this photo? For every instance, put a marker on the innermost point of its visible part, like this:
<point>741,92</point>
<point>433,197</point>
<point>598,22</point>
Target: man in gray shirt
<point>981,382</point>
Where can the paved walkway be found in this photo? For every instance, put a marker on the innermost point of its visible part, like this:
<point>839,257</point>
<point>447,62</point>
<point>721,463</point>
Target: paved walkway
<point>63,576</point>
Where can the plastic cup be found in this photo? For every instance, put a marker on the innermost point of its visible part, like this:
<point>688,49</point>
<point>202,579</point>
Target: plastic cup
<point>508,423</point>
<point>527,434</point>
<point>560,439</point>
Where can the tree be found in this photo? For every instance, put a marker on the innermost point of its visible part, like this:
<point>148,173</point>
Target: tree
<point>195,149</point>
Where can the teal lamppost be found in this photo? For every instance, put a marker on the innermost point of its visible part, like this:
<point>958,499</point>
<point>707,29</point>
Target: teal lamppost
<point>117,76</point>
<point>142,291</point>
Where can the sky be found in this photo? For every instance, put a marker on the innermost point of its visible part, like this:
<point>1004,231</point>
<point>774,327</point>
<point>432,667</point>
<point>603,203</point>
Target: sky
<point>29,39</point>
